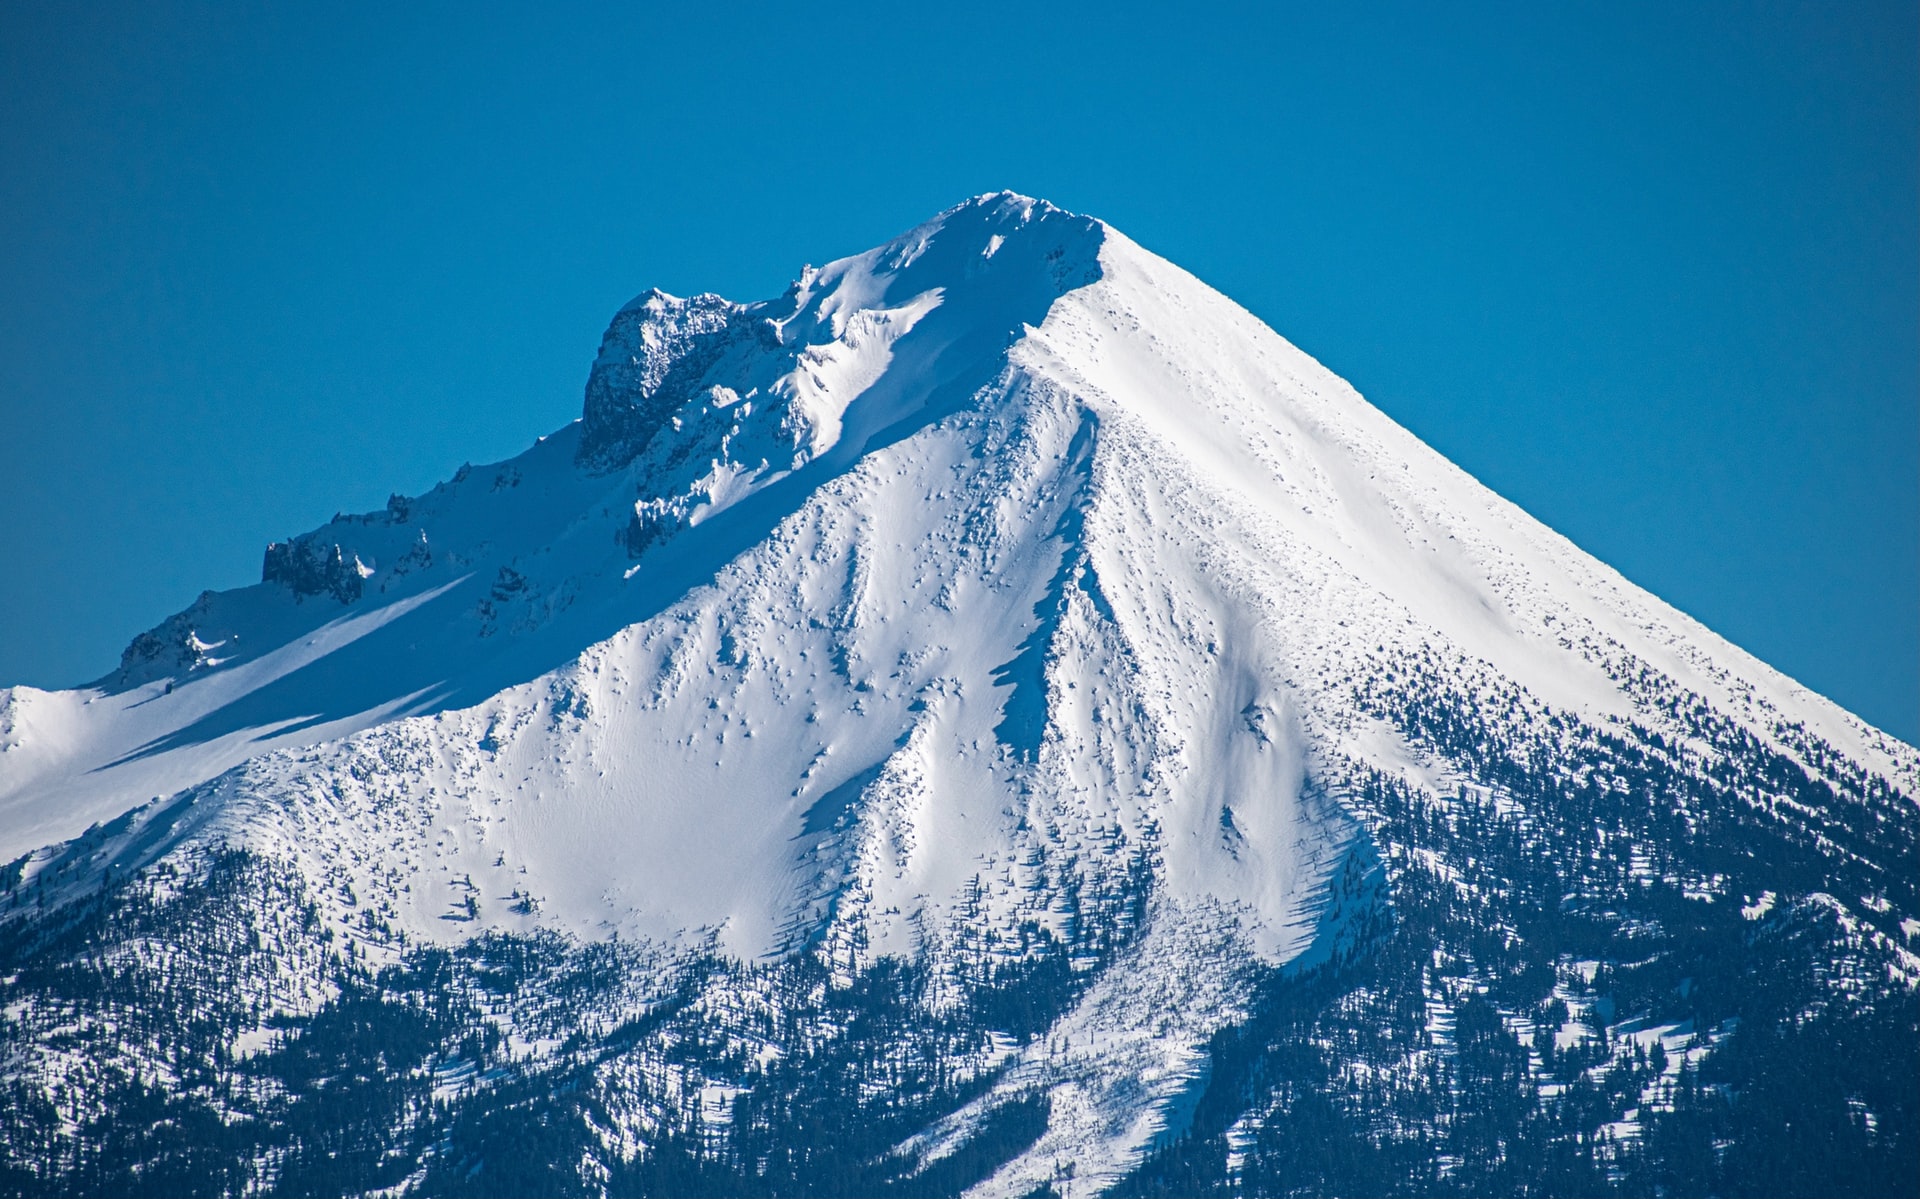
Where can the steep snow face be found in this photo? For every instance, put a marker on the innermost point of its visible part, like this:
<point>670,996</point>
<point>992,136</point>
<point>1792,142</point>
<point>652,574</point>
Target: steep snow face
<point>909,684</point>
<point>1003,544</point>
<point>1297,477</point>
<point>1004,580</point>
<point>696,408</point>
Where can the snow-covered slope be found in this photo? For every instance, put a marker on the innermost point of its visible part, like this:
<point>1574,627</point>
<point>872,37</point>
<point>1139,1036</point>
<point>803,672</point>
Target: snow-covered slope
<point>1004,580</point>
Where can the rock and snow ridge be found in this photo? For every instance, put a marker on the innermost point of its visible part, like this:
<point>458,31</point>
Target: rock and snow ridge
<point>985,579</point>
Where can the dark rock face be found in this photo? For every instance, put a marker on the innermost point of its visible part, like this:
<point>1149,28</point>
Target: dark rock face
<point>176,646</point>
<point>312,567</point>
<point>168,649</point>
<point>657,352</point>
<point>168,654</point>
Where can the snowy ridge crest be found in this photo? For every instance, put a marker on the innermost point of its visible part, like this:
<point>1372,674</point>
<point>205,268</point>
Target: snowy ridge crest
<point>666,359</point>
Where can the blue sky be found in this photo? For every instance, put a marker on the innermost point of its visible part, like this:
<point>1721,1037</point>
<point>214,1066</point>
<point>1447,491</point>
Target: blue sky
<point>1652,274</point>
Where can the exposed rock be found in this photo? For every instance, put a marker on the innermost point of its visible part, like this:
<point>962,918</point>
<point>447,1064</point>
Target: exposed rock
<point>178,645</point>
<point>656,354</point>
<point>314,567</point>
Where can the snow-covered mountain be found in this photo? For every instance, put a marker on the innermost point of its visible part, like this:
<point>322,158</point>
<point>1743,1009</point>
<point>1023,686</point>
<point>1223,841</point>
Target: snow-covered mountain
<point>995,716</point>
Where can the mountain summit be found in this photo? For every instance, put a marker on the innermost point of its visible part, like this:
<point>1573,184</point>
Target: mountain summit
<point>996,716</point>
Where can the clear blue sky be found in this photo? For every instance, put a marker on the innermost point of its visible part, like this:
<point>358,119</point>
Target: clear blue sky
<point>1653,272</point>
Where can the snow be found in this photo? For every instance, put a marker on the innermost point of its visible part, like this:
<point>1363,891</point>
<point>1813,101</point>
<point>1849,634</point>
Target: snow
<point>1001,546</point>
<point>75,758</point>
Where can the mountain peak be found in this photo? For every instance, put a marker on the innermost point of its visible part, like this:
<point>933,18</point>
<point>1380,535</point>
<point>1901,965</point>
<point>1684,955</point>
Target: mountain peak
<point>994,263</point>
<point>938,704</point>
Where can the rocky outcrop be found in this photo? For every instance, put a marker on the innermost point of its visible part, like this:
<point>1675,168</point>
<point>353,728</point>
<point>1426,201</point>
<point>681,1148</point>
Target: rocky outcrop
<point>313,567</point>
<point>656,355</point>
<point>183,643</point>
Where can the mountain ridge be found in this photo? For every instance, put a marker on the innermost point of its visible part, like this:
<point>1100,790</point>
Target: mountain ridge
<point>161,654</point>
